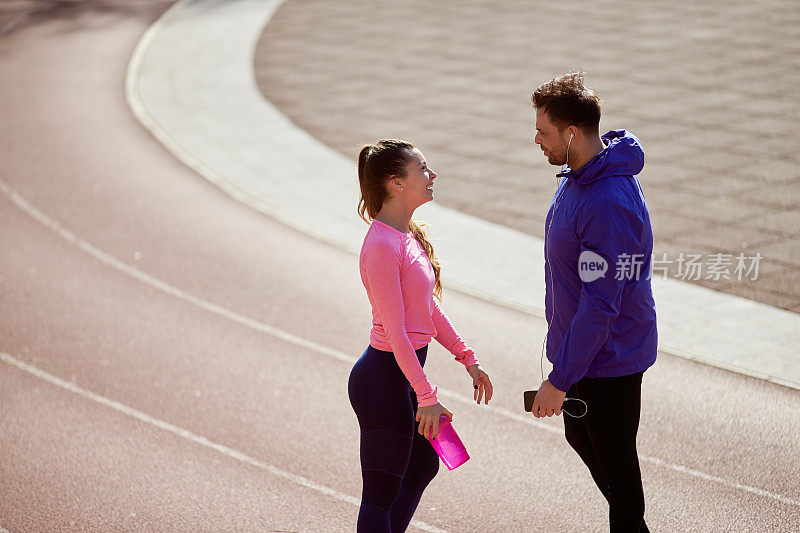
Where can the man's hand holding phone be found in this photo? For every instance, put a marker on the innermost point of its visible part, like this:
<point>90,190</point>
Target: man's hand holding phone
<point>548,400</point>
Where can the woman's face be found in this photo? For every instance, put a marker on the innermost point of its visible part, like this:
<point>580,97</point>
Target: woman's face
<point>418,182</point>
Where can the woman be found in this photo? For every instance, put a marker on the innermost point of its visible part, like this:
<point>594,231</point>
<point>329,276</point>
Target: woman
<point>388,388</point>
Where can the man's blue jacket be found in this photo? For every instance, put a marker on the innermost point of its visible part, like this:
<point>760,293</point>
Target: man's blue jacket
<point>598,247</point>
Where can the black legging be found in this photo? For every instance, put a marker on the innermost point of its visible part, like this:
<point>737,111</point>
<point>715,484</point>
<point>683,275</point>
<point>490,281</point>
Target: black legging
<point>397,463</point>
<point>606,441</point>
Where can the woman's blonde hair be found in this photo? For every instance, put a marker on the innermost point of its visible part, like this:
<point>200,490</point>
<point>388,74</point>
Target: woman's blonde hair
<point>377,163</point>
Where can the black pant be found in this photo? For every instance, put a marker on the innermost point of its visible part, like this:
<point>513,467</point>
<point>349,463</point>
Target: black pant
<point>397,463</point>
<point>606,441</point>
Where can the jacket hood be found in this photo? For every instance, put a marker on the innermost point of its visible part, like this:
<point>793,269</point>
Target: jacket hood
<point>622,156</point>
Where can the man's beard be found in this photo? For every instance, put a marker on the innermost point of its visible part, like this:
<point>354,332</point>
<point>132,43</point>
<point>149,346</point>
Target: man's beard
<point>558,161</point>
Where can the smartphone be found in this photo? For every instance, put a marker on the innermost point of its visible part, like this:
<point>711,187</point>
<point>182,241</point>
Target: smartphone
<point>528,397</point>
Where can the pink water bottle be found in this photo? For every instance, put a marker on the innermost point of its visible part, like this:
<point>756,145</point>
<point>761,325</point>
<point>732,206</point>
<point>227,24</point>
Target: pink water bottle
<point>448,445</point>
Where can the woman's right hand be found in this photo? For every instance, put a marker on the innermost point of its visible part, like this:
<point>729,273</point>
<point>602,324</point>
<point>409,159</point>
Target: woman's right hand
<point>428,418</point>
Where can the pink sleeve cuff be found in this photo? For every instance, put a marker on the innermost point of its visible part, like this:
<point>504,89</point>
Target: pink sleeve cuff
<point>432,398</point>
<point>467,358</point>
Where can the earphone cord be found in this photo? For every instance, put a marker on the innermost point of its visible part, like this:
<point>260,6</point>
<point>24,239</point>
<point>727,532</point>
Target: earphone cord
<point>585,407</point>
<point>550,275</point>
<point>556,201</point>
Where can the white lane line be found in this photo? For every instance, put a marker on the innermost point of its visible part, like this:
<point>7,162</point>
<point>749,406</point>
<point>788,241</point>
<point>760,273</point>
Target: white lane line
<point>163,286</point>
<point>2,530</point>
<point>330,352</point>
<point>188,435</point>
<point>722,481</point>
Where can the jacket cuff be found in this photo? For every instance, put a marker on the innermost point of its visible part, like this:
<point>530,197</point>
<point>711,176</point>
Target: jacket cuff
<point>559,382</point>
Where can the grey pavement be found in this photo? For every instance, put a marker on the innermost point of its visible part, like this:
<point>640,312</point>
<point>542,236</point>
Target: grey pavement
<point>710,88</point>
<point>191,83</point>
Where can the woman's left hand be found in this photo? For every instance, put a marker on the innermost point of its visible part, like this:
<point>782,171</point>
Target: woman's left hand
<point>481,382</point>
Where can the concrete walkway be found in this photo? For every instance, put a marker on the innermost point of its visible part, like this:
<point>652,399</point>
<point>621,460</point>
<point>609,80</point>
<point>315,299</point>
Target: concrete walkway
<point>191,83</point>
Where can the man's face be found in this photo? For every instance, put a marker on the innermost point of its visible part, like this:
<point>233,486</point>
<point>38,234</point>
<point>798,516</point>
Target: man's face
<point>550,139</point>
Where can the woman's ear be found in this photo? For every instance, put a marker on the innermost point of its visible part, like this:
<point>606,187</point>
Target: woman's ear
<point>396,183</point>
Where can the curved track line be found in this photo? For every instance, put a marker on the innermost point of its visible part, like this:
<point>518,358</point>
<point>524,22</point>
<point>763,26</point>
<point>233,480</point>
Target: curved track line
<point>188,435</point>
<point>165,287</point>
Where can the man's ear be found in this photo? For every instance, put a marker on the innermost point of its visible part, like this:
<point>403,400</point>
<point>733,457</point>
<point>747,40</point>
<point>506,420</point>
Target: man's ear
<point>573,132</point>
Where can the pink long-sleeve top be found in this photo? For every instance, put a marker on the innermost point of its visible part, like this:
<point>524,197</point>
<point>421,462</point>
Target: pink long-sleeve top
<point>399,280</point>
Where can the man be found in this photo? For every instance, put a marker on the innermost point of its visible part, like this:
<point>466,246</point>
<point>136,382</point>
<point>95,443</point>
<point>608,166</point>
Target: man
<point>598,303</point>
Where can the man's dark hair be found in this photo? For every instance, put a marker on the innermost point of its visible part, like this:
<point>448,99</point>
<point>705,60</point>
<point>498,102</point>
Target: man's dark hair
<point>567,102</point>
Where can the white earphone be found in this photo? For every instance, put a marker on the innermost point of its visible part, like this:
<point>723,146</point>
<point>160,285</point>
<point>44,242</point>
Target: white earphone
<point>565,166</point>
<point>569,143</point>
